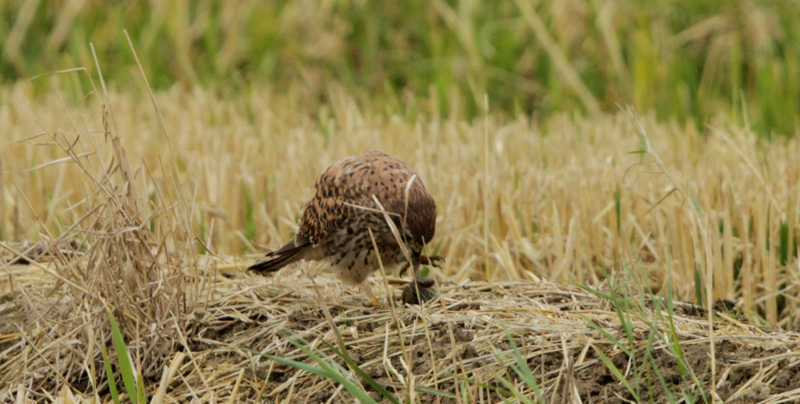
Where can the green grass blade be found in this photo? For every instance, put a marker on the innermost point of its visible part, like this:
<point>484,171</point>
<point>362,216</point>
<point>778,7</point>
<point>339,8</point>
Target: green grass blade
<point>363,375</point>
<point>598,293</point>
<point>699,288</point>
<point>326,370</point>
<point>510,386</point>
<point>326,362</point>
<point>783,245</point>
<point>674,339</point>
<point>112,384</point>
<point>125,367</point>
<point>140,388</point>
<point>432,392</point>
<point>617,373</point>
<point>607,335</point>
<point>295,364</point>
<point>660,377</point>
<point>504,360</point>
<point>472,382</point>
<point>522,369</point>
<point>249,214</point>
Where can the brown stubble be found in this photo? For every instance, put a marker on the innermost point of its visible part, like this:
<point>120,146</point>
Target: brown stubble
<point>550,204</point>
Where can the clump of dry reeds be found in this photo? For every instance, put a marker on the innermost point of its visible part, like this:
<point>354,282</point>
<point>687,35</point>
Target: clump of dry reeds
<point>123,253</point>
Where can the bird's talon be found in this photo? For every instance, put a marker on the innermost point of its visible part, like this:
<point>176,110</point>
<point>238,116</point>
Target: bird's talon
<point>376,303</point>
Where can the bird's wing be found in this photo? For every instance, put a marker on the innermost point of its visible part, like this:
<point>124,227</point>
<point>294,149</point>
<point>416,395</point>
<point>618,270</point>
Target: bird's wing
<point>344,192</point>
<point>321,217</point>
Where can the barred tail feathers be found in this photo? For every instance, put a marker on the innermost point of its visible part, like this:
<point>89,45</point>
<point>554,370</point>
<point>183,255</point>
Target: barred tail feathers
<point>279,258</point>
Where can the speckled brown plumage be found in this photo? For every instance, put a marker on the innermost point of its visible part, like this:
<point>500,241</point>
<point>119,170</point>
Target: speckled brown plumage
<point>335,223</point>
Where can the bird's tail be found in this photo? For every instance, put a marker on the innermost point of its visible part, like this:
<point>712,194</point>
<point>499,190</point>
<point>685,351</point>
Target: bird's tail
<point>279,259</point>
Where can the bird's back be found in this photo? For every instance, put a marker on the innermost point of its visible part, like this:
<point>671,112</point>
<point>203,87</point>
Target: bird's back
<point>344,193</point>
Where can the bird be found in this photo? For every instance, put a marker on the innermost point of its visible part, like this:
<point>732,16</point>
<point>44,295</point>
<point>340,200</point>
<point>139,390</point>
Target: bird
<point>355,201</point>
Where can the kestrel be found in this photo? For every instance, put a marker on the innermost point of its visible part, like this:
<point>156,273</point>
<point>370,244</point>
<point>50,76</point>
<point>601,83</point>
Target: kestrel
<point>336,222</point>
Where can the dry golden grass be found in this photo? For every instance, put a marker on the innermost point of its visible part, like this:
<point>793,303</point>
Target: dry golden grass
<point>517,200</point>
<point>463,334</point>
<point>547,192</point>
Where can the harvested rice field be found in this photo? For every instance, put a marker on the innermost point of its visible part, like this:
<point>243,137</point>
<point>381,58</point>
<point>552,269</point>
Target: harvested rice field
<point>462,347</point>
<point>565,280</point>
<point>617,191</point>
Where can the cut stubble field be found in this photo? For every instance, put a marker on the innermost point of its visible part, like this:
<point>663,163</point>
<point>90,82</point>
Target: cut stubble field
<point>151,214</point>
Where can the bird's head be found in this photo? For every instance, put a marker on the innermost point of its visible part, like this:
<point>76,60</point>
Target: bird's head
<point>417,253</point>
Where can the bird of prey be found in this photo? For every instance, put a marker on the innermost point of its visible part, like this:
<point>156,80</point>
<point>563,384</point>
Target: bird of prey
<point>354,196</point>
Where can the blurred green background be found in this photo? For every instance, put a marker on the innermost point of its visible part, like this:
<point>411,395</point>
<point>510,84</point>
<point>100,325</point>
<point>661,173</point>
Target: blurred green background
<point>688,60</point>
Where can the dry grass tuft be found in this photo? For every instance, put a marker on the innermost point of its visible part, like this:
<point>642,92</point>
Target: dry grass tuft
<point>109,259</point>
